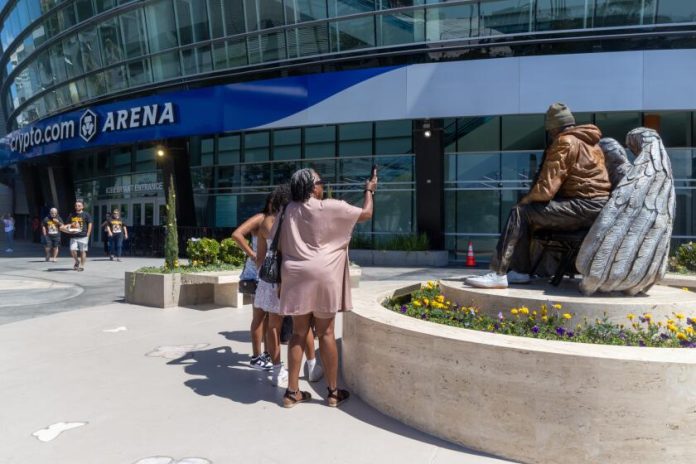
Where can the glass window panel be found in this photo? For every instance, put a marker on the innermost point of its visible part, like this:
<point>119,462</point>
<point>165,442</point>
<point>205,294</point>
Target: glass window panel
<point>196,60</point>
<point>355,170</point>
<point>201,179</point>
<point>283,171</point>
<point>320,142</point>
<point>193,21</point>
<point>393,137</point>
<point>67,17</point>
<point>229,177</point>
<point>89,48</point>
<point>523,132</point>
<point>478,169</point>
<point>115,78</point>
<point>676,11</point>
<point>139,73</point>
<point>256,175</point>
<point>226,211</point>
<point>234,17</point>
<point>133,27</point>
<point>401,28</point>
<point>395,170</point>
<point>570,14</point>
<point>103,5</point>
<point>519,169</point>
<point>617,125</point>
<point>674,127</point>
<point>84,9</point>
<point>449,135</point>
<point>166,66</point>
<point>267,47</point>
<point>237,53</point>
<point>617,13</point>
<point>229,149</point>
<point>482,211</point>
<point>305,10</point>
<point>217,18</point>
<point>78,91</point>
<point>287,144</point>
<point>355,139</point>
<point>353,34</point>
<point>208,151</point>
<point>111,42</point>
<point>394,212</point>
<point>505,17</point>
<point>73,56</point>
<point>264,14</point>
<point>478,134</point>
<point>57,63</point>
<point>220,55</point>
<point>307,41</point>
<point>161,25</point>
<point>52,25</point>
<point>347,7</point>
<point>96,84</point>
<point>256,146</point>
<point>325,168</point>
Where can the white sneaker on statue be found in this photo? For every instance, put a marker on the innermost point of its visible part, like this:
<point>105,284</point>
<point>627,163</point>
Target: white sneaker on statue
<point>315,373</point>
<point>279,376</point>
<point>518,278</point>
<point>491,280</point>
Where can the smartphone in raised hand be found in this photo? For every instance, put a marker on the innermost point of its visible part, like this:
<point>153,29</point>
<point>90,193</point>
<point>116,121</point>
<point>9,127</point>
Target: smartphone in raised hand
<point>373,172</point>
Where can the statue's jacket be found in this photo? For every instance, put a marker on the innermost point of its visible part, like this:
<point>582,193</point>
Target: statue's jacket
<point>573,167</point>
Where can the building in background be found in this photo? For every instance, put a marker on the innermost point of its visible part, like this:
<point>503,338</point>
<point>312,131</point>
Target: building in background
<point>446,97</point>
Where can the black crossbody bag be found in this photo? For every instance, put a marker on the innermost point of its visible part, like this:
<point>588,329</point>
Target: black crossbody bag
<point>270,270</point>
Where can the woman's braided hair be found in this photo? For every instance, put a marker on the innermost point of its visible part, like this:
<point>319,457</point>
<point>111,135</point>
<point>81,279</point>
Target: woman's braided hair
<point>302,185</point>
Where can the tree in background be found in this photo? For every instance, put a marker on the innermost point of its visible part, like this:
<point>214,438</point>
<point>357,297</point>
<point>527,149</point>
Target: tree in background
<point>171,241</point>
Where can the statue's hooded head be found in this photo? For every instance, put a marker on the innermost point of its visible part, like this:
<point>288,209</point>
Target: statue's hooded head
<point>558,116</point>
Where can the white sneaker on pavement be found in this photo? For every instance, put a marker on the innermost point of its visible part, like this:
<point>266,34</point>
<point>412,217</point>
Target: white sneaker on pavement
<point>315,373</point>
<point>518,278</point>
<point>279,376</point>
<point>490,280</point>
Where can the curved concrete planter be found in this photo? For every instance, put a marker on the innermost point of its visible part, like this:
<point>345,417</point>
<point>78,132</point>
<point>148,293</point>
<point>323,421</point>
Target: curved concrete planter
<point>525,399</point>
<point>438,258</point>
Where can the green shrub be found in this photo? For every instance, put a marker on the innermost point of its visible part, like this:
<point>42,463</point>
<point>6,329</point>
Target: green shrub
<point>361,242</point>
<point>231,253</point>
<point>406,243</point>
<point>685,258</point>
<point>202,251</point>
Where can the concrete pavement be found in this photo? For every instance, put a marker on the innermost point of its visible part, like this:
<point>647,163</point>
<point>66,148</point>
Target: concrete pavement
<point>95,380</point>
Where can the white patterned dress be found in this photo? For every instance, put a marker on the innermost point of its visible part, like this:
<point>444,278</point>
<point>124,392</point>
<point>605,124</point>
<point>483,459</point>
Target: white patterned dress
<point>266,297</point>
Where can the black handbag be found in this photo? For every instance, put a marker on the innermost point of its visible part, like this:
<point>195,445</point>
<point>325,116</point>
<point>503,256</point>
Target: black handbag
<point>248,286</point>
<point>270,270</point>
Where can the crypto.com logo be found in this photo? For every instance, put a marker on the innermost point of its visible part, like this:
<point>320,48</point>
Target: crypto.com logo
<point>88,125</point>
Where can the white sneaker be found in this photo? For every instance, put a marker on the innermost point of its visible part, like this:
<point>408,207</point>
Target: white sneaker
<point>9,250</point>
<point>518,278</point>
<point>315,374</point>
<point>491,280</point>
<point>279,376</point>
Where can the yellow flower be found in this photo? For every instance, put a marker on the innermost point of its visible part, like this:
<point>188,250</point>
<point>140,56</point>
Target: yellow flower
<point>514,311</point>
<point>534,313</point>
<point>631,316</point>
<point>690,330</point>
<point>681,336</point>
<point>578,327</point>
<point>659,323</point>
<point>567,316</point>
<point>557,306</point>
<point>524,310</point>
<point>544,318</point>
<point>648,317</point>
<point>449,303</point>
<point>670,321</point>
<point>679,316</point>
<point>672,328</point>
<point>417,303</point>
<point>635,325</point>
<point>426,301</point>
<point>685,289</point>
<point>440,298</point>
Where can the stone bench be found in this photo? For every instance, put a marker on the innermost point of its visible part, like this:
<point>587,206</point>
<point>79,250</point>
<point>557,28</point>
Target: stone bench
<point>225,286</point>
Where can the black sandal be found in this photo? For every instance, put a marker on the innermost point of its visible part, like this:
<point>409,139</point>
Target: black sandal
<point>290,398</point>
<point>336,397</point>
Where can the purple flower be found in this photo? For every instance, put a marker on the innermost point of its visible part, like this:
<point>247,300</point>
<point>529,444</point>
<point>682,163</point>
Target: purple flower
<point>424,316</point>
<point>500,316</point>
<point>535,329</point>
<point>403,308</point>
<point>641,343</point>
<point>570,334</point>
<point>664,336</point>
<point>560,331</point>
<point>496,326</point>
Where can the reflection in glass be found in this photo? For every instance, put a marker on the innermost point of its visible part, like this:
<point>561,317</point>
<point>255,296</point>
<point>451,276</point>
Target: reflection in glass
<point>505,17</point>
<point>401,28</point>
<point>161,25</point>
<point>353,34</point>
<point>192,21</point>
<point>305,10</point>
<point>320,142</point>
<point>166,66</point>
<point>570,14</point>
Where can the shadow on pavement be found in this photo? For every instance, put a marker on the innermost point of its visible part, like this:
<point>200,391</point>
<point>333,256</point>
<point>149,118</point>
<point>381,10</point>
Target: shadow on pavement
<point>226,375</point>
<point>243,336</point>
<point>61,269</point>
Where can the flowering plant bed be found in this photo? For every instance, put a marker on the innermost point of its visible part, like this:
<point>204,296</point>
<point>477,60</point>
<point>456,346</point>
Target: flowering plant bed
<point>548,322</point>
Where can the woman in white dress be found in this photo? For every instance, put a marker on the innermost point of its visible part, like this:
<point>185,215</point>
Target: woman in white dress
<point>267,299</point>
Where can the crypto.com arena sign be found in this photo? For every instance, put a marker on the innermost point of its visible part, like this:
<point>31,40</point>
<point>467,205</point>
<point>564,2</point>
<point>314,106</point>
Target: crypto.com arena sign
<point>90,126</point>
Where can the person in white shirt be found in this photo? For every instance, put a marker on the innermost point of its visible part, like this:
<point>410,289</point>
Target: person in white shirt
<point>9,224</point>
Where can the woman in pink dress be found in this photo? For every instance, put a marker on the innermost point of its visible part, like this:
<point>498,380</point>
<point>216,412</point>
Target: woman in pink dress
<point>314,239</point>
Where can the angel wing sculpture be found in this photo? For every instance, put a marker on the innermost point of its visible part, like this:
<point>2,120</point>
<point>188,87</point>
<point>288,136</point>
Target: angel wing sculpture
<point>627,247</point>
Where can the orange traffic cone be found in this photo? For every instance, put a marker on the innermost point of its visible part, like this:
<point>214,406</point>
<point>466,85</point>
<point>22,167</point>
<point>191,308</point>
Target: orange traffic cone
<point>470,259</point>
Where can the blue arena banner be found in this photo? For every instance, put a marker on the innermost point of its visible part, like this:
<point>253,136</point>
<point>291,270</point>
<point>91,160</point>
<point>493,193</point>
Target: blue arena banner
<point>167,115</point>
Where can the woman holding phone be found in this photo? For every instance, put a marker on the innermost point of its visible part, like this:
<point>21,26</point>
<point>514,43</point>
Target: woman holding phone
<point>315,282</point>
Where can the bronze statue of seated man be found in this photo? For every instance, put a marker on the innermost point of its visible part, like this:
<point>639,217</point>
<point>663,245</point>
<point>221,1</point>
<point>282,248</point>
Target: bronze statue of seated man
<point>568,194</point>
